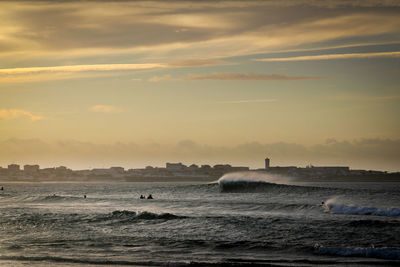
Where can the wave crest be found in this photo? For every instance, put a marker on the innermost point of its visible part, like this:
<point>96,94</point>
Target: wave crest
<point>334,207</point>
<point>246,182</point>
<point>254,182</point>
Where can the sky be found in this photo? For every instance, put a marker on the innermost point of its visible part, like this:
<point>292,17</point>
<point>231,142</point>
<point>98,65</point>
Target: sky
<point>89,84</point>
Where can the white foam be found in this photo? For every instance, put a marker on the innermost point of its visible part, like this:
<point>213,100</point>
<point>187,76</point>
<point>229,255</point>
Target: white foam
<point>252,177</point>
<point>333,206</point>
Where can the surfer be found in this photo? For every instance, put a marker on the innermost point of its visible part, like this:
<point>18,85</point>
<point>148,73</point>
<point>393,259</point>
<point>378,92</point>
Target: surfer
<point>1,188</point>
<point>84,196</point>
<point>150,197</point>
<point>142,197</point>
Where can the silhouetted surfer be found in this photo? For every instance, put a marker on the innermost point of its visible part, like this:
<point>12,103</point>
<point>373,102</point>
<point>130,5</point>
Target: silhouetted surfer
<point>150,197</point>
<point>142,197</point>
<point>1,188</point>
<point>84,196</point>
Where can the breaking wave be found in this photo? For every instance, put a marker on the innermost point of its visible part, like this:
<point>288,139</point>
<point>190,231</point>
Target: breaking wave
<point>253,182</point>
<point>333,206</point>
<point>371,252</point>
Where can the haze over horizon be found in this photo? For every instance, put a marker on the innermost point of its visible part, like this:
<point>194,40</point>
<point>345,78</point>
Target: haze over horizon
<point>135,83</point>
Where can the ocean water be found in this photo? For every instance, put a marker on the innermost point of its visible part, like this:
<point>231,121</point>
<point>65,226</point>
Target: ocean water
<point>236,221</point>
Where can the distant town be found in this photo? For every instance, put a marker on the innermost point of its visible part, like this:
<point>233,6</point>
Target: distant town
<point>181,172</point>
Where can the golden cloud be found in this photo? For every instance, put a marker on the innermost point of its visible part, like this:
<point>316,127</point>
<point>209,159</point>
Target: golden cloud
<point>80,68</point>
<point>249,77</point>
<point>105,109</point>
<point>10,114</point>
<point>332,56</point>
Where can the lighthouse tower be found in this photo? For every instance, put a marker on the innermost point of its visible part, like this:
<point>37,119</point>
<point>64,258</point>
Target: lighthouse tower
<point>266,163</point>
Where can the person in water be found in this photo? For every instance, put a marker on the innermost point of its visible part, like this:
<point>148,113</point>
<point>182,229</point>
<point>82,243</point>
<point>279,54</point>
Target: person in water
<point>150,197</point>
<point>142,197</point>
<point>84,196</point>
<point>2,189</point>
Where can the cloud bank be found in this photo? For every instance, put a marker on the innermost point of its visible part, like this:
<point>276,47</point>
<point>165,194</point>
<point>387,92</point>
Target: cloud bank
<point>208,30</point>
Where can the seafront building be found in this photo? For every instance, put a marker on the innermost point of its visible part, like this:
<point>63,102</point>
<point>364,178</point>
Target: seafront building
<point>174,172</point>
<point>308,171</point>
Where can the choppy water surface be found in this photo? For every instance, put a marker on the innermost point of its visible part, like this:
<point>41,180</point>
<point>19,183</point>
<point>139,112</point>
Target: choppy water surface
<point>235,222</point>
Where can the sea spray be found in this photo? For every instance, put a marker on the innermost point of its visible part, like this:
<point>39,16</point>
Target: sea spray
<point>252,182</point>
<point>334,206</point>
<point>252,176</point>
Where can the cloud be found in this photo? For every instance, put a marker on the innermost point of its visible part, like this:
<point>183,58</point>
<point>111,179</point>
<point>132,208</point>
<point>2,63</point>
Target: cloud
<point>363,97</point>
<point>10,114</point>
<point>81,68</point>
<point>197,63</point>
<point>164,78</point>
<point>248,101</point>
<point>227,76</point>
<point>52,76</point>
<point>332,56</point>
<point>183,29</point>
<point>37,74</point>
<point>383,97</point>
<point>248,77</point>
<point>105,109</point>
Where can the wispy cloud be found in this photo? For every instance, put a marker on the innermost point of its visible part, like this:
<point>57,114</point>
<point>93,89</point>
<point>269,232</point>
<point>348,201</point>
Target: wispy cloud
<point>105,109</point>
<point>226,76</point>
<point>51,76</point>
<point>80,68</point>
<point>37,74</point>
<point>332,56</point>
<point>164,78</point>
<point>163,30</point>
<point>50,73</point>
<point>384,97</point>
<point>198,63</point>
<point>360,97</point>
<point>17,113</point>
<point>248,101</point>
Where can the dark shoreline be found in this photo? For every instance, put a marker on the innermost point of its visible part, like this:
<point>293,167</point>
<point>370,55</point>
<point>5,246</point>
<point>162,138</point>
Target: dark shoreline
<point>385,178</point>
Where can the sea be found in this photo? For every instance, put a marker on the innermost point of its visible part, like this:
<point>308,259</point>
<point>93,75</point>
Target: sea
<point>239,220</point>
